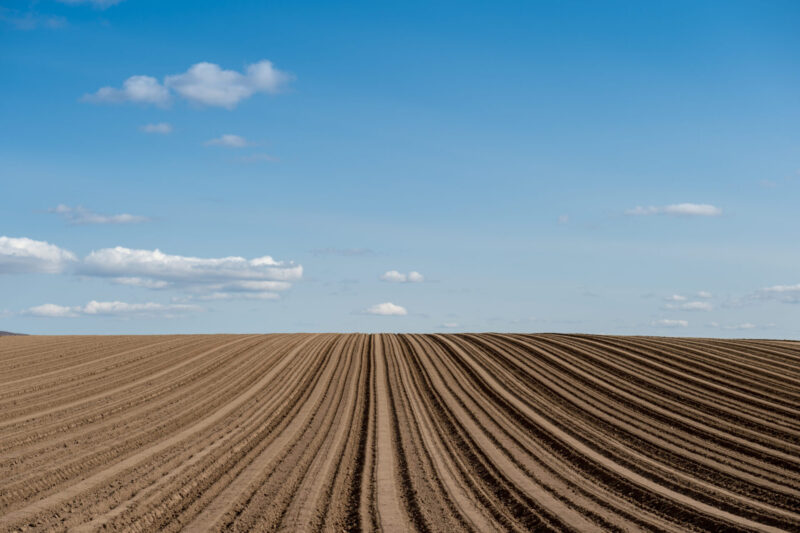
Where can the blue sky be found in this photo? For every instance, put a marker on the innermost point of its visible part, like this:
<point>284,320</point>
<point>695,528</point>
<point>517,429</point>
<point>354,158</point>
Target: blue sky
<point>617,167</point>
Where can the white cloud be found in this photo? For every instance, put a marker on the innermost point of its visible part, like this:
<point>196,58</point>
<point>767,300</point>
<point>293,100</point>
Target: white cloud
<point>209,278</point>
<point>739,327</point>
<point>398,277</point>
<point>137,89</point>
<point>141,282</point>
<point>685,209</point>
<point>204,83</point>
<point>80,215</point>
<point>691,306</point>
<point>387,309</point>
<point>228,140</point>
<point>238,296</point>
<point>52,310</point>
<point>115,308</point>
<point>23,255</point>
<point>162,128</point>
<point>704,294</point>
<point>669,323</point>
<point>208,84</point>
<point>782,293</point>
<point>675,298</point>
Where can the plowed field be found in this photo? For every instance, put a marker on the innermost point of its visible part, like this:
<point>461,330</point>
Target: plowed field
<point>355,432</point>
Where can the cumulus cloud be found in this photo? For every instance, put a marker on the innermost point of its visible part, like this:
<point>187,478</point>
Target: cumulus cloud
<point>115,308</point>
<point>387,309</point>
<point>204,83</point>
<point>136,89</point>
<point>23,255</point>
<point>162,128</point>
<point>704,294</point>
<point>80,215</point>
<point>669,323</point>
<point>675,298</point>
<point>208,84</point>
<point>691,306</point>
<point>685,209</point>
<point>234,277</point>
<point>398,277</point>
<point>228,140</point>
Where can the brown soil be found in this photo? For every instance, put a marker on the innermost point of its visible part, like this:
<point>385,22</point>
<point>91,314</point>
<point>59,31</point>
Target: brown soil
<point>439,433</point>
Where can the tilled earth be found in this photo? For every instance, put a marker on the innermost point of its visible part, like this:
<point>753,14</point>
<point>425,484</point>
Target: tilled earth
<point>352,432</point>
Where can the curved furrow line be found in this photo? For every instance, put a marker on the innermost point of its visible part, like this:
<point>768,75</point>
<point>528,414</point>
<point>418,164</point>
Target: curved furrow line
<point>34,366</point>
<point>606,404</point>
<point>311,500</point>
<point>625,475</point>
<point>184,404</point>
<point>101,414</point>
<point>702,375</point>
<point>354,432</point>
<point>84,395</point>
<point>728,384</point>
<point>70,493</point>
<point>695,469</point>
<point>533,456</point>
<point>488,468</point>
<point>661,401</point>
<point>266,508</point>
<point>736,406</point>
<point>215,457</point>
<point>458,490</point>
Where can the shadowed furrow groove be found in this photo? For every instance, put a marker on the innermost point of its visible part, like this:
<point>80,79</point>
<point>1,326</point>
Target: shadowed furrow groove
<point>432,433</point>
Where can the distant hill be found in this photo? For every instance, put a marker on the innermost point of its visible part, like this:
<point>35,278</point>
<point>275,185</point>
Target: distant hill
<point>5,333</point>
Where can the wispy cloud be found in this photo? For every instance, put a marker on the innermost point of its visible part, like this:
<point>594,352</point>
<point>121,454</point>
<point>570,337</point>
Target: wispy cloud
<point>690,306</point>
<point>387,309</point>
<point>114,308</point>
<point>102,4</point>
<point>80,215</point>
<point>228,140</point>
<point>782,293</point>
<point>398,277</point>
<point>345,252</point>
<point>162,128</point>
<point>685,209</point>
<point>30,20</point>
<point>22,255</point>
<point>669,323</point>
